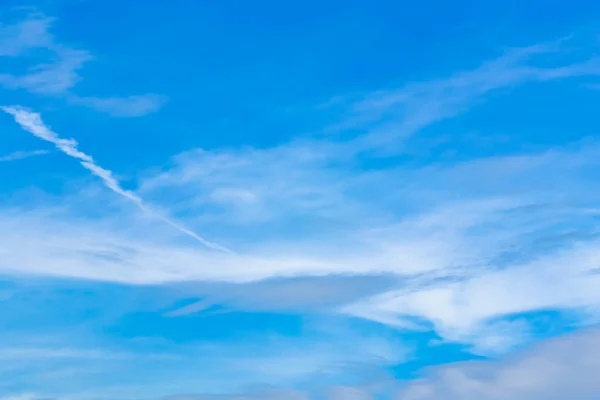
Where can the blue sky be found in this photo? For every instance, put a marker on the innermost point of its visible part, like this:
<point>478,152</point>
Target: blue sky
<point>340,201</point>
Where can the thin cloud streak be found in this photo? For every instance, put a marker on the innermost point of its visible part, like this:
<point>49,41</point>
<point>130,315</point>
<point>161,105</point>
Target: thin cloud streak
<point>19,155</point>
<point>131,106</point>
<point>33,123</point>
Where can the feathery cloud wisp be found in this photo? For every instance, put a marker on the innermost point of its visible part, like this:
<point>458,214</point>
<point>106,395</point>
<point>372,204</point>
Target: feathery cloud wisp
<point>130,106</point>
<point>58,75</point>
<point>19,155</point>
<point>32,122</point>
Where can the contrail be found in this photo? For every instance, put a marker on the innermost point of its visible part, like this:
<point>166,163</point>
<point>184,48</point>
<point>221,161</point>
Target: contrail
<point>32,122</point>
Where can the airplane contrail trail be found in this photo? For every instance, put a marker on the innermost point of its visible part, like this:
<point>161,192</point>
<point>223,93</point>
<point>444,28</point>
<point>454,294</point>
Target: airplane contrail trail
<point>32,122</point>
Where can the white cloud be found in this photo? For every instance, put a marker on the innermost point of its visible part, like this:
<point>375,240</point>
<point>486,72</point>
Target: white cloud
<point>555,369</point>
<point>451,233</point>
<point>132,106</point>
<point>23,396</point>
<point>224,366</point>
<point>58,73</point>
<point>348,393</point>
<point>293,294</point>
<point>471,310</point>
<point>13,354</point>
<point>256,185</point>
<point>32,123</point>
<point>417,105</point>
<point>454,232</point>
<point>313,177</point>
<point>467,246</point>
<point>448,256</point>
<point>53,78</point>
<point>448,259</point>
<point>19,155</point>
<point>563,368</point>
<point>31,33</point>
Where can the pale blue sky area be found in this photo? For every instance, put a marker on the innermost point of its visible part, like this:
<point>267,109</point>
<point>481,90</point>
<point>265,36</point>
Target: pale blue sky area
<point>343,200</point>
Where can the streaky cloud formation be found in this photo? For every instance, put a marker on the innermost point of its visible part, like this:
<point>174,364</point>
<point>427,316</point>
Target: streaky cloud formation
<point>32,122</point>
<point>132,106</point>
<point>556,369</point>
<point>49,78</point>
<point>412,194</point>
<point>19,155</point>
<point>57,75</point>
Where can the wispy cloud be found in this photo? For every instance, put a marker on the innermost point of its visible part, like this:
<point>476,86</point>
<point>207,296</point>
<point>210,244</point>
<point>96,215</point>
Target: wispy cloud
<point>450,232</point>
<point>36,353</point>
<point>313,176</point>
<point>59,73</point>
<point>474,227</point>
<point>31,33</point>
<point>224,365</point>
<point>556,369</point>
<point>132,106</point>
<point>461,267</point>
<point>32,122</point>
<point>390,116</point>
<point>23,396</point>
<point>467,248</point>
<point>19,155</point>
<point>53,77</point>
